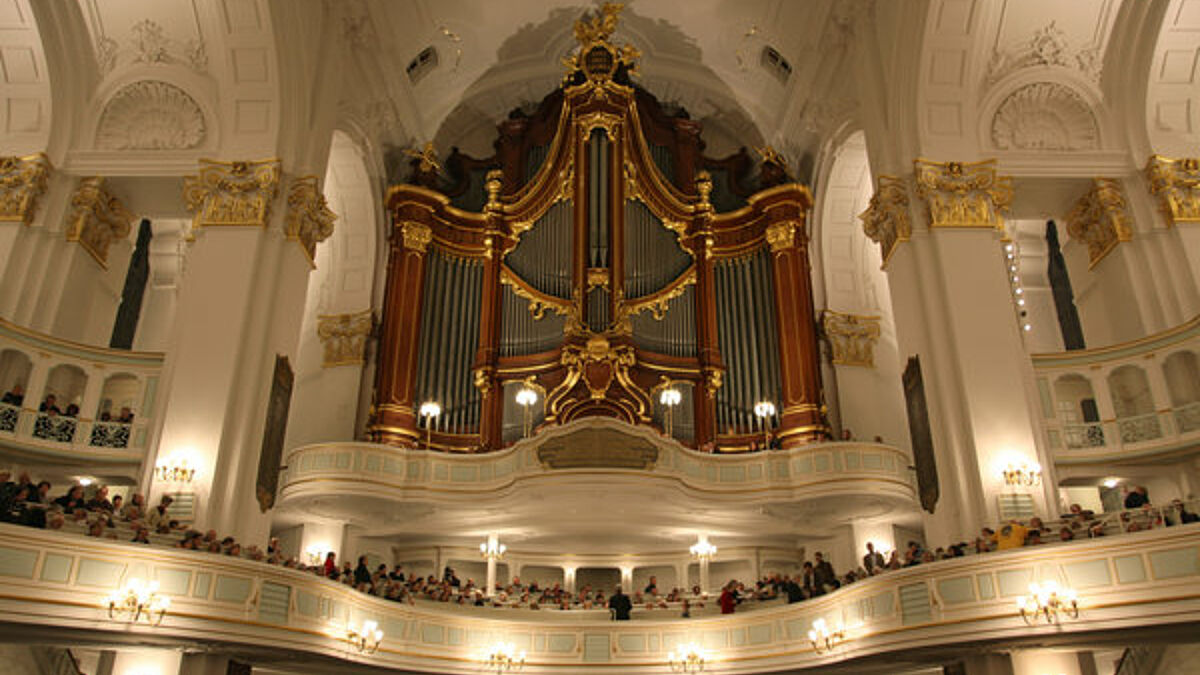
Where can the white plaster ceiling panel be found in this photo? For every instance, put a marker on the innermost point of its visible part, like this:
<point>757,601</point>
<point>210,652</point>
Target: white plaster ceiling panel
<point>1171,97</point>
<point>129,32</point>
<point>24,85</point>
<point>244,53</point>
<point>951,29</point>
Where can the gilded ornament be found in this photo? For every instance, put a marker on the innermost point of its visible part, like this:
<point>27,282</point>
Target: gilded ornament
<point>232,193</point>
<point>538,302</point>
<point>960,194</point>
<point>851,337</point>
<point>97,219</point>
<point>886,219</point>
<point>1177,184</point>
<point>712,382</point>
<point>483,379</point>
<point>1100,219</point>
<point>22,182</point>
<point>601,120</point>
<point>493,182</point>
<point>597,276</point>
<point>416,236</point>
<point>427,159</point>
<point>597,58</point>
<point>782,235</point>
<point>704,188</point>
<point>344,337</point>
<point>657,303</point>
<point>309,219</point>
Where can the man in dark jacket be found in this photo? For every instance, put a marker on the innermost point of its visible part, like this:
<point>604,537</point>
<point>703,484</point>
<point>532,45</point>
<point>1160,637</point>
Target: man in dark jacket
<point>621,605</point>
<point>823,574</point>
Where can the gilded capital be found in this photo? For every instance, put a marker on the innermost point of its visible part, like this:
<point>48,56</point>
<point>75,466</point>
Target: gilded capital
<point>886,220</point>
<point>22,182</point>
<point>1176,182</point>
<point>344,337</point>
<point>97,219</point>
<point>851,337</point>
<point>1100,219</point>
<point>782,235</point>
<point>232,193</point>
<point>416,236</point>
<point>309,220</point>
<point>961,194</point>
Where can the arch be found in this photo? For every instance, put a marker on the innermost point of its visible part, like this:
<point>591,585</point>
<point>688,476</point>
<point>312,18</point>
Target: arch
<point>1133,403</point>
<point>1172,81</point>
<point>1182,372</point>
<point>66,383</point>
<point>1075,406</point>
<point>1043,116</point>
<point>15,366</point>
<point>119,393</point>
<point>152,114</point>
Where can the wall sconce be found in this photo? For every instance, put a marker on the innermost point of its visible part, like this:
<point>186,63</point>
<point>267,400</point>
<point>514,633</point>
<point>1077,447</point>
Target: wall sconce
<point>686,658</point>
<point>823,639</point>
<point>366,638</point>
<point>702,549</point>
<point>138,600</point>
<point>504,657</point>
<point>429,410</point>
<point>764,410</point>
<point>526,397</point>
<point>175,470</point>
<point>1023,474</point>
<point>492,550</point>
<point>1048,601</point>
<point>316,553</point>
<point>670,398</point>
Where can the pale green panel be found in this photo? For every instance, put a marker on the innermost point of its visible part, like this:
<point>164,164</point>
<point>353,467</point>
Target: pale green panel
<point>987,588</point>
<point>733,474</point>
<point>739,637</point>
<point>433,633</point>
<point>631,643</point>
<point>710,473</point>
<point>883,604</point>
<point>440,471</point>
<point>796,629</point>
<point>1130,569</point>
<point>273,603</point>
<point>821,462</point>
<point>414,470</point>
<point>344,460</point>
<point>231,589</point>
<point>715,639</point>
<point>957,590</point>
<point>372,463</point>
<point>1087,574</point>
<point>539,642</point>
<point>151,390</point>
<point>99,573</point>
<point>463,474</point>
<point>1014,582</point>
<point>803,465</point>
<point>756,472</point>
<point>914,603</point>
<point>393,628</point>
<point>596,648</point>
<point>172,581</point>
<point>759,634</point>
<point>307,604</point>
<point>1044,396</point>
<point>203,582</point>
<point>478,638</point>
<point>454,636</point>
<point>873,460</point>
<point>138,570</point>
<point>653,642</point>
<point>522,641</point>
<point>780,469</point>
<point>561,643</point>
<point>56,568</point>
<point>853,612</point>
<point>17,562</point>
<point>485,472</point>
<point>852,460</point>
<point>1055,438</point>
<point>1178,562</point>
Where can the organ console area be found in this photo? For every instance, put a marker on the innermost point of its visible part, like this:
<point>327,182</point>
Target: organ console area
<point>599,258</point>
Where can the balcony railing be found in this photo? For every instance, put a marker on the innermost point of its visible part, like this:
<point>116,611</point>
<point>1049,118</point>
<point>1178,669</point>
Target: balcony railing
<point>1169,422</point>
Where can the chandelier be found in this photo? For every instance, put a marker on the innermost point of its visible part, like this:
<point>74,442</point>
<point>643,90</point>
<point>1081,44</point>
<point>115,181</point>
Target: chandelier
<point>492,550</point>
<point>702,549</point>
<point>764,410</point>
<point>138,600</point>
<point>1048,601</point>
<point>526,397</point>
<point>1023,474</point>
<point>430,410</point>
<point>504,657</point>
<point>823,639</point>
<point>365,638</point>
<point>175,470</point>
<point>686,658</point>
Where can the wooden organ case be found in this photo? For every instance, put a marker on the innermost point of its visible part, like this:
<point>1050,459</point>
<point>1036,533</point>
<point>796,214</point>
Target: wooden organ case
<point>598,258</point>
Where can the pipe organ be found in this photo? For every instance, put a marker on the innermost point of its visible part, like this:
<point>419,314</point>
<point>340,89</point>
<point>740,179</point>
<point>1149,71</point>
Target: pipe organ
<point>598,258</point>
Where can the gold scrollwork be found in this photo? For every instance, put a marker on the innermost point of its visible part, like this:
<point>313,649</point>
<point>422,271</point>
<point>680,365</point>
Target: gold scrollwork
<point>22,182</point>
<point>1100,219</point>
<point>851,337</point>
<point>598,58</point>
<point>712,381</point>
<point>782,235</point>
<point>493,182</point>
<point>483,379</point>
<point>660,301</point>
<point>344,337</point>
<point>416,236</point>
<point>886,220</point>
<point>608,121</point>
<point>597,276</point>
<point>598,349</point>
<point>1177,184</point>
<point>963,194</point>
<point>97,219</point>
<point>309,219</point>
<point>232,193</point>
<point>538,302</point>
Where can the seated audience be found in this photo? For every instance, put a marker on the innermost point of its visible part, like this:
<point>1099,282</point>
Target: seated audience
<point>14,396</point>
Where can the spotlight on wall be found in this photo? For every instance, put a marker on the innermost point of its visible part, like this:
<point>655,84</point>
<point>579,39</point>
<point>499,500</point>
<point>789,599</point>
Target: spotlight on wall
<point>365,638</point>
<point>822,638</point>
<point>503,657</point>
<point>1047,601</point>
<point>137,600</point>
<point>687,658</point>
<point>1023,474</point>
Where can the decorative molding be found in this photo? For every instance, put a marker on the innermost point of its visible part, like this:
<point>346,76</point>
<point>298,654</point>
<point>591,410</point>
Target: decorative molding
<point>309,219</point>
<point>344,337</point>
<point>237,194</point>
<point>782,235</point>
<point>538,302</point>
<point>150,115</point>
<point>1048,46</point>
<point>1177,184</point>
<point>598,59</point>
<point>886,220</point>
<point>1100,219</point>
<point>416,236</point>
<point>959,194</point>
<point>97,219</point>
<point>148,43</point>
<point>852,337</point>
<point>22,182</point>
<point>1045,116</point>
<point>657,303</point>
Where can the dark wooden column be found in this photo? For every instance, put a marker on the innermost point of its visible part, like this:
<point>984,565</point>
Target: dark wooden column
<point>394,419</point>
<point>799,358</point>
<point>491,414</point>
<point>707,347</point>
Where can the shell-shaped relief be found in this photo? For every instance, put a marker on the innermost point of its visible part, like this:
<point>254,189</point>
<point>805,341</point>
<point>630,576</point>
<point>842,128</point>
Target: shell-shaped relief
<point>1045,116</point>
<point>150,115</point>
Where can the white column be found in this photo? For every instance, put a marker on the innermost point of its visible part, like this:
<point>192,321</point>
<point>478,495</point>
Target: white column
<point>704,588</point>
<point>1041,661</point>
<point>149,662</point>
<point>203,664</point>
<point>569,578</point>
<point>627,578</point>
<point>493,546</point>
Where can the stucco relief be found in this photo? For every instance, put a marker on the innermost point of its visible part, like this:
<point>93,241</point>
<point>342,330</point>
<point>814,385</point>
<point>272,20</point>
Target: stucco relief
<point>1048,46</point>
<point>150,115</point>
<point>148,43</point>
<point>1044,116</point>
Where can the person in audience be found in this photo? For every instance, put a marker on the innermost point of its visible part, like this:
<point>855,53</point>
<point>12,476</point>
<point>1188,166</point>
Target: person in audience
<point>96,529</point>
<point>141,536</point>
<point>1137,498</point>
<point>727,600</point>
<point>847,435</point>
<point>330,568</point>
<point>1066,534</point>
<point>135,508</point>
<point>823,574</point>
<point>1011,535</point>
<point>72,411</point>
<point>50,406</point>
<point>54,521</point>
<point>652,586</point>
<point>873,560</point>
<point>73,499</point>
<point>117,504</point>
<point>362,574</point>
<point>1180,515</point>
<point>126,416</point>
<point>158,514</point>
<point>988,540</point>
<point>621,605</point>
<point>14,396</point>
<point>272,545</point>
<point>99,501</point>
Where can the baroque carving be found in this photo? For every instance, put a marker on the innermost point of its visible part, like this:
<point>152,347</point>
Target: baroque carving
<point>148,43</point>
<point>1044,116</point>
<point>22,182</point>
<point>886,220</point>
<point>416,236</point>
<point>960,194</point>
<point>344,337</point>
<point>97,219</point>
<point>852,337</point>
<point>782,235</point>
<point>597,58</point>
<point>1048,46</point>
<point>150,115</point>
<point>538,302</point>
<point>309,219</point>
<point>232,193</point>
<point>1100,219</point>
<point>1176,182</point>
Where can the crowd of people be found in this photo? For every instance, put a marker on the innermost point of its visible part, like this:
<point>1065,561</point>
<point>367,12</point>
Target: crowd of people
<point>50,407</point>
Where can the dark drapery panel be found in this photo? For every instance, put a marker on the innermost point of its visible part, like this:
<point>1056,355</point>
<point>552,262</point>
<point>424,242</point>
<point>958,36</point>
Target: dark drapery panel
<point>125,326</point>
<point>1064,297</point>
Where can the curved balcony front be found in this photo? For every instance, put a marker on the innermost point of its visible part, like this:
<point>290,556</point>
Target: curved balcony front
<point>91,386</point>
<point>54,585</point>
